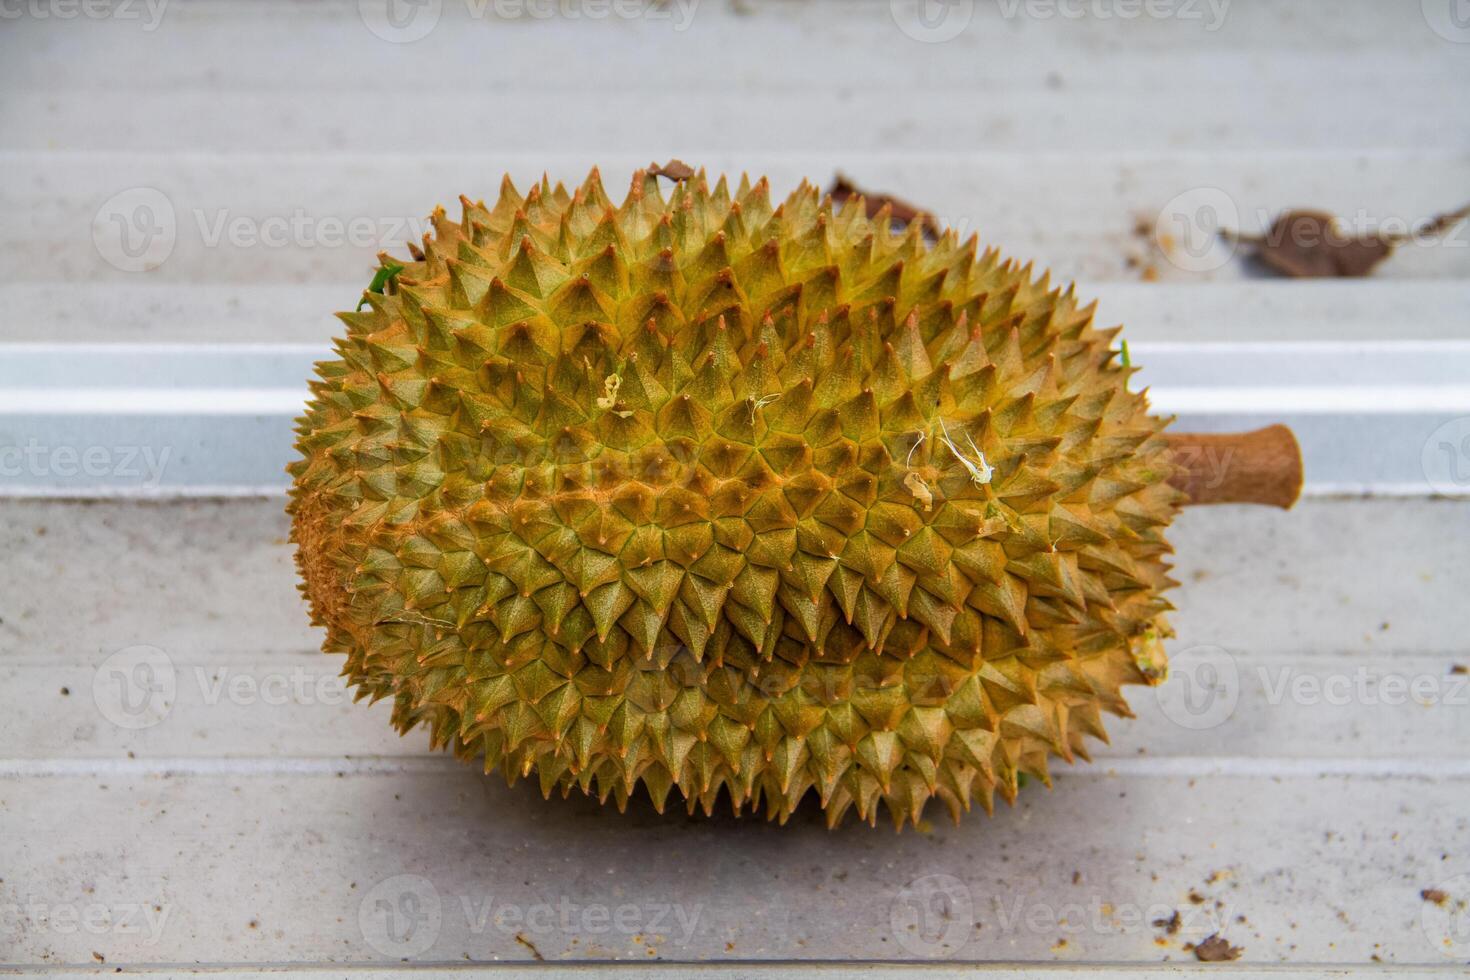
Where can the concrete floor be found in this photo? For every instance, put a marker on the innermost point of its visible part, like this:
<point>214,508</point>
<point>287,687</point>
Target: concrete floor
<point>232,805</point>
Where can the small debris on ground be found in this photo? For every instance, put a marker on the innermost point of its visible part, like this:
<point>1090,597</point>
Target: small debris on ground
<point>1434,895</point>
<point>1171,924</point>
<point>1216,949</point>
<point>675,170</point>
<point>1144,265</point>
<point>521,938</point>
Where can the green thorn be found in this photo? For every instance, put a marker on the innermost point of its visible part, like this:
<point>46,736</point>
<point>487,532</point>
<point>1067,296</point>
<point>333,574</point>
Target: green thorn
<point>1126,362</point>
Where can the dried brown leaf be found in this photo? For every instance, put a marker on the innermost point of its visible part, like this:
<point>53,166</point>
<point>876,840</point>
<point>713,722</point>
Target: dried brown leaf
<point>874,201</point>
<point>1305,244</point>
<point>1311,245</point>
<point>1217,949</point>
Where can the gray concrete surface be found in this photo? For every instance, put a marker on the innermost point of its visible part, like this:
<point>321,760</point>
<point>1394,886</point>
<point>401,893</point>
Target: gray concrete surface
<point>263,818</point>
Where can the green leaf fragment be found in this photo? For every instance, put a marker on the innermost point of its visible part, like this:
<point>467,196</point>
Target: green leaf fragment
<point>381,278</point>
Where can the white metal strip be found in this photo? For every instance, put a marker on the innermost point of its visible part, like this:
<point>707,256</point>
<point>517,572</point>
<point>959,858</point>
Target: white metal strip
<point>152,401</point>
<point>199,420</point>
<point>1324,400</point>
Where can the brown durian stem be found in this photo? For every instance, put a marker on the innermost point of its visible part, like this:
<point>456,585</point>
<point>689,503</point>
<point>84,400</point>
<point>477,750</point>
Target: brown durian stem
<point>1259,467</point>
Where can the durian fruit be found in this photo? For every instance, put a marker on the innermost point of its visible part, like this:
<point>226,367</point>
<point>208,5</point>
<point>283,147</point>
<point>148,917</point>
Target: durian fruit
<point>720,497</point>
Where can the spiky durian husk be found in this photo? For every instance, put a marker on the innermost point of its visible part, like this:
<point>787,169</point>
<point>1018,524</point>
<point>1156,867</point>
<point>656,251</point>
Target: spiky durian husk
<point>710,495</point>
